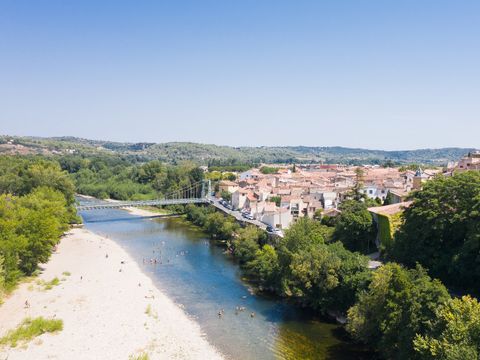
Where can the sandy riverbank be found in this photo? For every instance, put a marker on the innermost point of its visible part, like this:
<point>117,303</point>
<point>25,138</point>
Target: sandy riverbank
<point>103,309</point>
<point>142,212</point>
<point>136,211</point>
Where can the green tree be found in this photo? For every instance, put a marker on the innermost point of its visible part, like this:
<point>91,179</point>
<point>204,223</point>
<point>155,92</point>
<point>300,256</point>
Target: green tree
<point>11,243</point>
<point>214,175</point>
<point>247,243</point>
<point>229,176</point>
<point>2,277</point>
<point>264,264</point>
<point>147,173</point>
<point>454,334</point>
<point>398,305</point>
<point>43,219</point>
<point>442,230</point>
<point>388,199</point>
<point>357,191</point>
<point>354,227</point>
<point>268,170</point>
<point>225,195</point>
<point>30,226</point>
<point>49,174</point>
<point>276,199</point>
<point>219,226</point>
<point>317,274</point>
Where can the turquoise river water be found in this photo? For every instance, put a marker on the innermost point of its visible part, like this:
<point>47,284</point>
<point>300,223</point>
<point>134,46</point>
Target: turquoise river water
<point>195,273</point>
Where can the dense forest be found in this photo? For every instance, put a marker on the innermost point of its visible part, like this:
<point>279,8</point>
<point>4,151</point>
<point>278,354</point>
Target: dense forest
<point>207,154</point>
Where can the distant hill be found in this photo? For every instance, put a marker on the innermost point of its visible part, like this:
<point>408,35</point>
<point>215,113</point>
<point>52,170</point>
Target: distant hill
<point>206,153</point>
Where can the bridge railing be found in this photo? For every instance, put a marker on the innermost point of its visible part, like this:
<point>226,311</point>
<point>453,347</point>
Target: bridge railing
<point>124,204</point>
<point>188,195</point>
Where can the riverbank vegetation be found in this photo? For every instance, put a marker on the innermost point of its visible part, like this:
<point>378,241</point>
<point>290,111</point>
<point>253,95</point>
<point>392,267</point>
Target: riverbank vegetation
<point>212,222</point>
<point>36,208</point>
<point>117,178</point>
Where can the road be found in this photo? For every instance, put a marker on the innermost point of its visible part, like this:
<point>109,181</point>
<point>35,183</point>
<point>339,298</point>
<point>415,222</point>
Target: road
<point>237,215</point>
<point>372,264</point>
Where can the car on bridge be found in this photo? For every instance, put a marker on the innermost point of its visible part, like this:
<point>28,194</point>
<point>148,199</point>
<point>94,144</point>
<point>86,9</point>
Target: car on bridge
<point>247,215</point>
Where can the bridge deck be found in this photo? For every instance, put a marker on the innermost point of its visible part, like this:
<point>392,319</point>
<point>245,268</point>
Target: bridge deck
<point>125,204</point>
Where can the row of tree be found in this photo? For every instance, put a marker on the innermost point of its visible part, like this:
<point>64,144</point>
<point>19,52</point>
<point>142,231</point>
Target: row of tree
<point>36,208</point>
<point>118,178</point>
<point>212,222</point>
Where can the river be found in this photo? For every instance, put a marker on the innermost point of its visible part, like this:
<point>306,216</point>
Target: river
<point>196,274</point>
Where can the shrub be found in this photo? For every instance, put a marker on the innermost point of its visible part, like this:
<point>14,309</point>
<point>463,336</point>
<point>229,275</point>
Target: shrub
<point>29,329</point>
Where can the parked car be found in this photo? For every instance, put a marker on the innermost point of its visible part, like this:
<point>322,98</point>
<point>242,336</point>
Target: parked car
<point>270,229</point>
<point>249,217</point>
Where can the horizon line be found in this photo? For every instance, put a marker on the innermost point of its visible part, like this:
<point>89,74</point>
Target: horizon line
<point>58,137</point>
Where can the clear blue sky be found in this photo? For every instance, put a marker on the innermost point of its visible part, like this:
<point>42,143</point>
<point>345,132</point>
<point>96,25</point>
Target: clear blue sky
<point>362,73</point>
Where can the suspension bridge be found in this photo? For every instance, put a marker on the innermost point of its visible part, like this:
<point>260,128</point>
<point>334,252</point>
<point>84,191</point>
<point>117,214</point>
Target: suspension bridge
<point>196,193</point>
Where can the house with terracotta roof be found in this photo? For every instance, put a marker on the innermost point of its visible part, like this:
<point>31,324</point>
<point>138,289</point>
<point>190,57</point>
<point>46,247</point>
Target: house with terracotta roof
<point>228,186</point>
<point>311,206</point>
<point>297,207</point>
<point>278,218</point>
<point>398,195</point>
<point>469,162</point>
<point>327,198</point>
<point>254,205</point>
<point>252,174</point>
<point>373,191</point>
<point>331,212</point>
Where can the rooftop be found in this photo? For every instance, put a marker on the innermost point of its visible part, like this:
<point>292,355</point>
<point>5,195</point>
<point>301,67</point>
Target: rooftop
<point>390,209</point>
